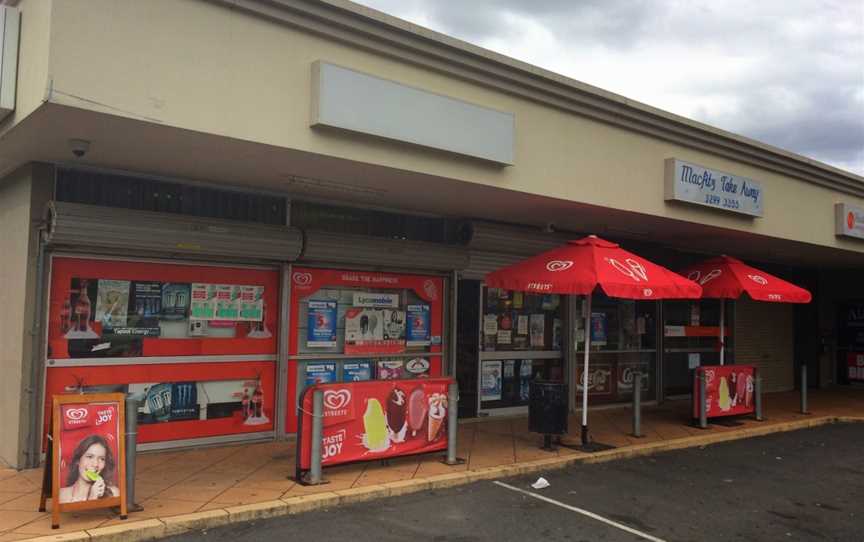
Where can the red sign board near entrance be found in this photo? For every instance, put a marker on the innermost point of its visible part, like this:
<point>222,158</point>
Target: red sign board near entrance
<point>376,420</point>
<point>728,390</point>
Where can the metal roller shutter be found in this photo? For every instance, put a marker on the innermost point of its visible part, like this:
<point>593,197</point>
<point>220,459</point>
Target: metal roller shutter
<point>79,226</point>
<point>342,249</point>
<point>495,245</point>
<point>764,338</point>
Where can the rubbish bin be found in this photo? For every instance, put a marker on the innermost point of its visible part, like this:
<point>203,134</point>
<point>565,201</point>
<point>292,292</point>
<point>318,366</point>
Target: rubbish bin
<point>548,408</point>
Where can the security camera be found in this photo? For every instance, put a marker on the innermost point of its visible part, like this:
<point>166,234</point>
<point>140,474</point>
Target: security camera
<point>79,147</point>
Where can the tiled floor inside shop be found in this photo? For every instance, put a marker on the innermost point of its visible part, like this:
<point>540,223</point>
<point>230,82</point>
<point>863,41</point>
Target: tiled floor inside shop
<point>181,482</point>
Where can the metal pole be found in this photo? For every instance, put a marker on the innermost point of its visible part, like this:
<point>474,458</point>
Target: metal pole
<point>703,413</point>
<point>637,404</point>
<point>317,435</point>
<point>758,398</point>
<point>452,419</point>
<point>132,401</point>
<point>585,370</point>
<point>722,330</point>
<point>804,389</point>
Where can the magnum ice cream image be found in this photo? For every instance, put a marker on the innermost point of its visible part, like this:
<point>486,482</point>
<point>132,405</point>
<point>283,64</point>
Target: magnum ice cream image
<point>417,408</point>
<point>397,409</point>
<point>437,413</point>
<point>375,438</point>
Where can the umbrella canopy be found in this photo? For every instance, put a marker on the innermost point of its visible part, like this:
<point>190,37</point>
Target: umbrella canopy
<point>580,266</point>
<point>727,277</point>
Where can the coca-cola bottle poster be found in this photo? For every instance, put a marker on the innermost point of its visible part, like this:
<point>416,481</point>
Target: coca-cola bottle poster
<point>80,322</point>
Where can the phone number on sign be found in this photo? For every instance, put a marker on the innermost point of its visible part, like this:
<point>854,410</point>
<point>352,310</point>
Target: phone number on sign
<point>727,203</point>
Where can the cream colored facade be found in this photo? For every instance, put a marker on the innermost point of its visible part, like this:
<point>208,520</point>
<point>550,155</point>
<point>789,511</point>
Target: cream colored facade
<point>220,91</point>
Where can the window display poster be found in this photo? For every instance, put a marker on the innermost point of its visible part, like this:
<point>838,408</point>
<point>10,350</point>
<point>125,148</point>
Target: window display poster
<point>394,324</point>
<point>538,330</point>
<point>320,373</point>
<point>694,360</point>
<point>227,302</point>
<point>175,301</point>
<point>417,367</point>
<point>145,307</point>
<point>490,324</point>
<point>203,303</point>
<point>418,331</point>
<point>599,379</point>
<point>490,381</point>
<point>370,331</point>
<point>321,324</point>
<point>357,371</point>
<point>598,328</point>
<point>526,374</point>
<point>201,400</point>
<point>76,316</point>
<point>390,369</point>
<point>251,304</point>
<point>556,334</point>
<point>112,302</point>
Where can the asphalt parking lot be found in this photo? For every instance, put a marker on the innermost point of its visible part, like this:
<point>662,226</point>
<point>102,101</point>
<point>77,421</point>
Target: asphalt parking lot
<point>802,485</point>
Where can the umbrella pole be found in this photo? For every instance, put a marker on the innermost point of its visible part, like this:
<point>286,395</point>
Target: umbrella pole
<point>722,329</point>
<point>585,371</point>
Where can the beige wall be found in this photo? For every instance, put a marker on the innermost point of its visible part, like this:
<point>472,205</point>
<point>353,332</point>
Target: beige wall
<point>33,60</point>
<point>21,201</point>
<point>203,67</point>
<point>764,337</point>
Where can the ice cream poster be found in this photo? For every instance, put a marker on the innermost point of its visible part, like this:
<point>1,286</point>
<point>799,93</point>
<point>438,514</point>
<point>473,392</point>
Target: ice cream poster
<point>376,420</point>
<point>728,390</point>
<point>321,321</point>
<point>88,458</point>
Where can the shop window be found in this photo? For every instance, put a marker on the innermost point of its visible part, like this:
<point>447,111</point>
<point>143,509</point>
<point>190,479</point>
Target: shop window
<point>516,321</point>
<point>76,186</point>
<point>110,309</point>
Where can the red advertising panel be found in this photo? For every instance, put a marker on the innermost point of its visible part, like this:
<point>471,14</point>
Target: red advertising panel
<point>728,390</point>
<point>855,365</point>
<point>87,460</point>
<point>377,420</point>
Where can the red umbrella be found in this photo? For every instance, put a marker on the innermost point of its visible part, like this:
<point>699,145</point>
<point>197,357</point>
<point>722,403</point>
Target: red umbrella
<point>581,266</point>
<point>728,278</point>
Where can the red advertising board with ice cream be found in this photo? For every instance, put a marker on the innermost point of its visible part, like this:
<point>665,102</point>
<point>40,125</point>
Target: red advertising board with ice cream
<point>729,390</point>
<point>376,420</point>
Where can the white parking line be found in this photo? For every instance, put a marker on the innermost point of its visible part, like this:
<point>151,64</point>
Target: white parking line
<point>591,515</point>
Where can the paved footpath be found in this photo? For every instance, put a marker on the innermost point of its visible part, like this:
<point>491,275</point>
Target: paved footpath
<point>800,485</point>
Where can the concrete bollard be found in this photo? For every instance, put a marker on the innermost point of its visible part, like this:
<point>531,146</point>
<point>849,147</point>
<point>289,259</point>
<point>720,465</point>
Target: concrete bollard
<point>804,389</point>
<point>637,405</point>
<point>758,397</point>
<point>703,414</point>
<point>315,476</point>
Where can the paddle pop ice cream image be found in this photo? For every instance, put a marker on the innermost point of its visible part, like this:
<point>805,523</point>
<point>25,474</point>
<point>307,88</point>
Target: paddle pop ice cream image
<point>417,408</point>
<point>397,406</point>
<point>437,413</point>
<point>375,437</point>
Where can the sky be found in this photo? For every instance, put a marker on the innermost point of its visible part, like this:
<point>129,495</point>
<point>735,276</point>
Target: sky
<point>789,73</point>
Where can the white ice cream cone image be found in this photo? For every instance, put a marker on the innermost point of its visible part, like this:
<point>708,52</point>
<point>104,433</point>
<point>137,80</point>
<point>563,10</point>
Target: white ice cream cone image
<point>437,413</point>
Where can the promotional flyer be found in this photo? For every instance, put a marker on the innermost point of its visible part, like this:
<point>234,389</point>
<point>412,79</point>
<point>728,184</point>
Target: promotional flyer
<point>321,324</point>
<point>376,420</point>
<point>728,390</point>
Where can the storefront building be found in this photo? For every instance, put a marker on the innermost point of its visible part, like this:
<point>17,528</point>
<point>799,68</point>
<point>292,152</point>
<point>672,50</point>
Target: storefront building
<point>215,215</point>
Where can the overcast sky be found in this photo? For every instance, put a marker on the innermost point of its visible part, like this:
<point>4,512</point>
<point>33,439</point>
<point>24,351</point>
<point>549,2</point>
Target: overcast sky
<point>786,72</point>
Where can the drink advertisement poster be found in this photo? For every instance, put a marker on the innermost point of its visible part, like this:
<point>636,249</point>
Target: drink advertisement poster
<point>320,373</point>
<point>627,374</point>
<point>599,379</point>
<point>728,390</point>
<point>491,377</point>
<point>176,298</point>
<point>374,331</point>
<point>88,455</point>
<point>112,302</point>
<point>376,420</point>
<point>417,330</point>
<point>77,316</point>
<point>538,330</point>
<point>855,365</point>
<point>321,322</point>
<point>145,307</point>
<point>357,371</point>
<point>598,328</point>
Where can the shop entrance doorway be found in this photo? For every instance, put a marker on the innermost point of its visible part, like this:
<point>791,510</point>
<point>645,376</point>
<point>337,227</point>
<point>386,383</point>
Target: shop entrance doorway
<point>691,338</point>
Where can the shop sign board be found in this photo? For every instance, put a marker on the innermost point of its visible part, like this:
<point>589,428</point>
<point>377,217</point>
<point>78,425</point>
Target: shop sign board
<point>86,457</point>
<point>376,420</point>
<point>691,183</point>
<point>729,390</point>
<point>855,365</point>
<point>849,221</point>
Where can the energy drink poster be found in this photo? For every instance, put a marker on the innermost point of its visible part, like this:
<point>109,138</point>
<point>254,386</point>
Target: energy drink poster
<point>376,420</point>
<point>320,373</point>
<point>728,390</point>
<point>145,308</point>
<point>321,322</point>
<point>175,301</point>
<point>88,456</point>
<point>418,332</point>
<point>490,381</point>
